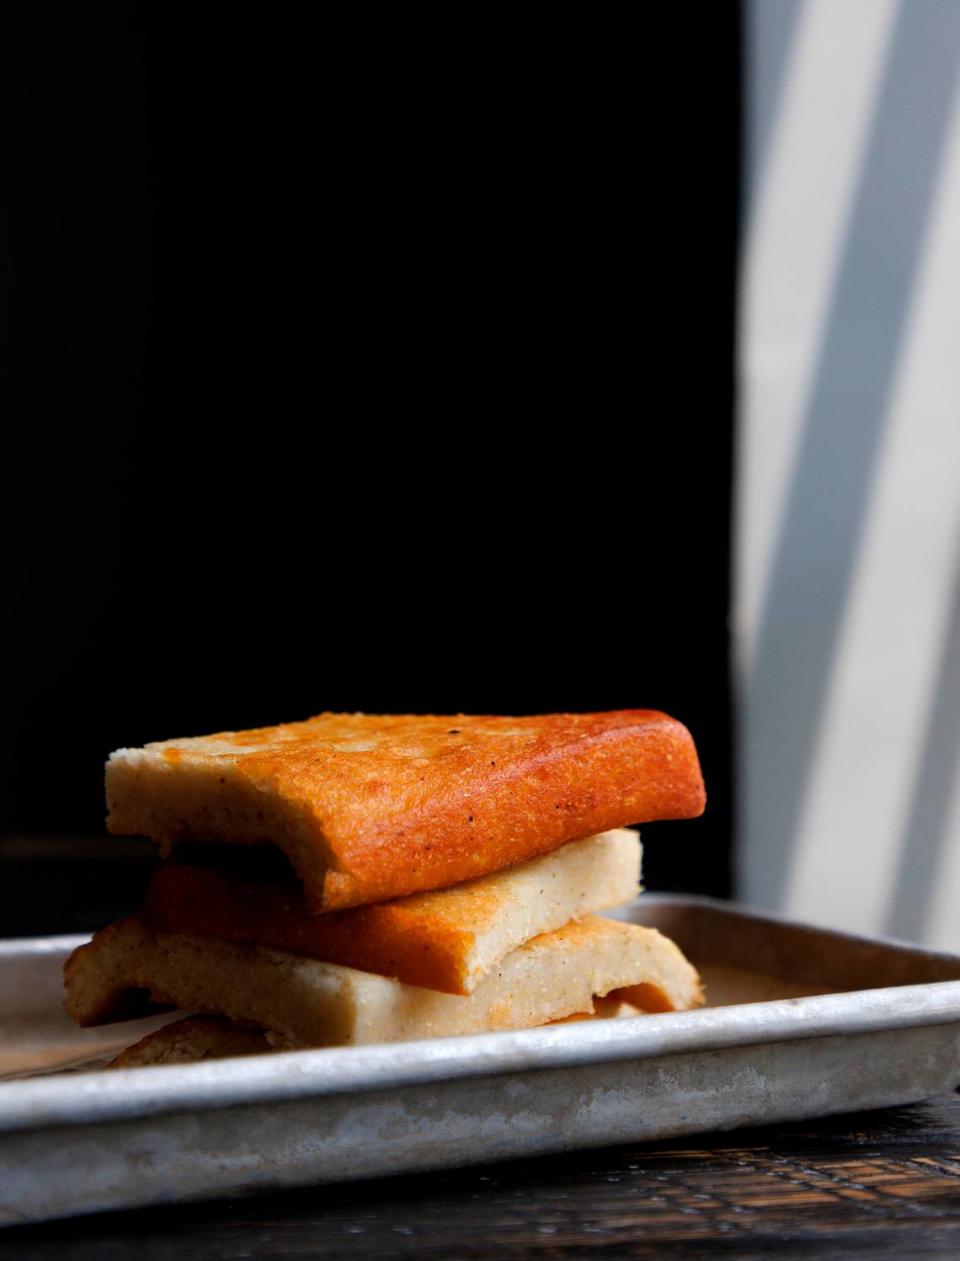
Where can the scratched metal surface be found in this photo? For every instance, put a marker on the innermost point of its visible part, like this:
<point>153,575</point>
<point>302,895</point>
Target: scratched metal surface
<point>79,1142</point>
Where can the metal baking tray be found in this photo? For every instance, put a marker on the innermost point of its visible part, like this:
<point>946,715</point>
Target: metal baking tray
<point>803,1023</point>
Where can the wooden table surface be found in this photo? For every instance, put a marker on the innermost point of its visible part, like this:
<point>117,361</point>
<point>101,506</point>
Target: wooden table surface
<point>879,1184</point>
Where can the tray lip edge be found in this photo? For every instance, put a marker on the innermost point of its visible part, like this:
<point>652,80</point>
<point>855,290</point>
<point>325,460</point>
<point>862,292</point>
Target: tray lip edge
<point>783,920</point>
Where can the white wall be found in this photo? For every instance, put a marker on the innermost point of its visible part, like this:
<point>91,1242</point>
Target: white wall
<point>847,571</point>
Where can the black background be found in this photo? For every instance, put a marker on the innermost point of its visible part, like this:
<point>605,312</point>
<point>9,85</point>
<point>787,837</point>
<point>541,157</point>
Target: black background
<point>382,366</point>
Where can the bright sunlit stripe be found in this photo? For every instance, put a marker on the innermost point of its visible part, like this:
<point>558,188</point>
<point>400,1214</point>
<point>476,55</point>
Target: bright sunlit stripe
<point>847,851</point>
<point>943,923</point>
<point>790,261</point>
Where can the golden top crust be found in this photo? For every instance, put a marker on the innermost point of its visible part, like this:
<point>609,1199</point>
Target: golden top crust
<point>372,807</point>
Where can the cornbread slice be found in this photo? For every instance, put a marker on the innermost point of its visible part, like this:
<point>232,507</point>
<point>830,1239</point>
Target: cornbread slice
<point>197,1038</point>
<point>190,1040</point>
<point>305,1003</point>
<point>373,807</point>
<point>447,940</point>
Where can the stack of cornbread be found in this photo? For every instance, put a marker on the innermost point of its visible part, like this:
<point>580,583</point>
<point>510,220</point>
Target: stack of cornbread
<point>358,878</point>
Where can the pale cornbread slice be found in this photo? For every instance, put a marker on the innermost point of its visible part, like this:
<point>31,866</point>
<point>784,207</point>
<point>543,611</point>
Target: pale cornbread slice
<point>193,1039</point>
<point>448,940</point>
<point>305,1003</point>
<point>371,807</point>
<point>197,1038</point>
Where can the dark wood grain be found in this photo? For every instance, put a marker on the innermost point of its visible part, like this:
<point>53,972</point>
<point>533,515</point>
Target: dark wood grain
<point>880,1185</point>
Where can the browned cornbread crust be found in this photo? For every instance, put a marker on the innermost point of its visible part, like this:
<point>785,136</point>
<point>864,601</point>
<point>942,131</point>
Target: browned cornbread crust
<point>374,807</point>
